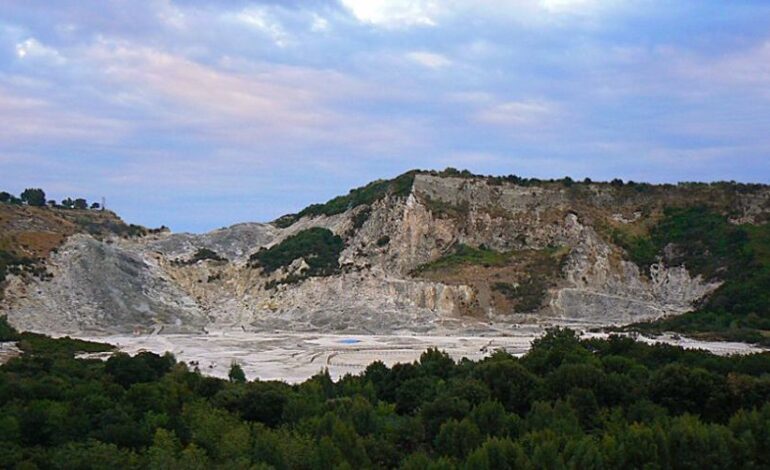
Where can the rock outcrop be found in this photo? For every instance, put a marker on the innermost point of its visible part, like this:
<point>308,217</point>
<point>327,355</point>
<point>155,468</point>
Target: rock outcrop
<point>164,282</point>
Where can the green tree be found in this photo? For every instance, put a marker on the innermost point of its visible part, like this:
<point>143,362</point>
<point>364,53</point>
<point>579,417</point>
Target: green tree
<point>33,197</point>
<point>236,373</point>
<point>80,203</point>
<point>458,439</point>
<point>162,455</point>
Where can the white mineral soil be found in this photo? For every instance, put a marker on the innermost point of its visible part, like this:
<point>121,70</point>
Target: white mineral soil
<point>294,357</point>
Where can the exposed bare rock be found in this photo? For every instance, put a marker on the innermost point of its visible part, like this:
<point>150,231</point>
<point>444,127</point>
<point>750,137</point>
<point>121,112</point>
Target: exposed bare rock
<point>101,287</point>
<point>123,285</point>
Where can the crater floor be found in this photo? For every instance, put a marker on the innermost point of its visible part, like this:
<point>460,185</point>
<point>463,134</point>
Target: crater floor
<point>295,357</point>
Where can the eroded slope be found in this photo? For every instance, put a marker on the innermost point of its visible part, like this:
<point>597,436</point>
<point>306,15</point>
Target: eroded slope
<point>424,252</point>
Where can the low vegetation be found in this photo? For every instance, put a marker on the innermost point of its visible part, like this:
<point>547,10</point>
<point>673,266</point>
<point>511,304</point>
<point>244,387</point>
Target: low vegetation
<point>527,296</point>
<point>202,254</point>
<point>319,247</point>
<point>445,210</point>
<point>567,403</point>
<point>518,279</point>
<point>706,243</point>
<point>466,255</point>
<point>10,262</point>
<point>372,192</point>
<point>7,332</point>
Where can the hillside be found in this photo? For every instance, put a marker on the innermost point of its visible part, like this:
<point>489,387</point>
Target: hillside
<point>432,252</point>
<point>29,234</point>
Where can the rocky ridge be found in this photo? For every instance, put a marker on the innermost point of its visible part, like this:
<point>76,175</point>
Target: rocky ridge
<point>155,283</point>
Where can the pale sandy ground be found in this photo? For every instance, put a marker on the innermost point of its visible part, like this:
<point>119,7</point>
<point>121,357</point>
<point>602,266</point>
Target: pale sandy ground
<point>294,357</point>
<point>8,350</point>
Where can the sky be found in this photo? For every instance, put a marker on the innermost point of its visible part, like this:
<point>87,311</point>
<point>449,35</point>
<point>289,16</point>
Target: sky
<point>198,114</point>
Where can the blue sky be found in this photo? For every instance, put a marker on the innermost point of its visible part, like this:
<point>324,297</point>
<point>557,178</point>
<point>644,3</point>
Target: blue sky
<point>198,114</point>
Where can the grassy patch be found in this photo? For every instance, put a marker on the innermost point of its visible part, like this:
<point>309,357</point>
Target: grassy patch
<point>442,209</point>
<point>542,269</point>
<point>464,255</point>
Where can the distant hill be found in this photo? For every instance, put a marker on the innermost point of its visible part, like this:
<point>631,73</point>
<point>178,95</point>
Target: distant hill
<point>424,252</point>
<point>28,233</point>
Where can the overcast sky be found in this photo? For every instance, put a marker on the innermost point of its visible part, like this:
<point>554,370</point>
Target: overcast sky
<point>198,114</point>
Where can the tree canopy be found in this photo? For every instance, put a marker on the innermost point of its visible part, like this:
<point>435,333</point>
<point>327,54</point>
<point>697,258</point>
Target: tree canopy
<point>568,403</point>
<point>33,197</point>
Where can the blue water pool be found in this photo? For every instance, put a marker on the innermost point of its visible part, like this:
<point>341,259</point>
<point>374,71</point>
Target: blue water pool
<point>349,341</point>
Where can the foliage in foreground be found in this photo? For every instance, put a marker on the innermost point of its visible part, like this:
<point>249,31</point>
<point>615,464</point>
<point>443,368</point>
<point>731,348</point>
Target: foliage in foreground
<point>566,404</point>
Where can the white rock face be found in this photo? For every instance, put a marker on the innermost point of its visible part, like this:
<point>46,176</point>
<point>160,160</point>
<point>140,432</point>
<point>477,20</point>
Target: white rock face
<point>122,286</point>
<point>102,287</point>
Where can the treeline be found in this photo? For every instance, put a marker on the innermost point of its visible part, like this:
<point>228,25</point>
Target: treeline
<point>568,403</point>
<point>615,182</point>
<point>399,186</point>
<point>36,197</point>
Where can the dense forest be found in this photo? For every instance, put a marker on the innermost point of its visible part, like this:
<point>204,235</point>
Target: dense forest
<point>568,403</point>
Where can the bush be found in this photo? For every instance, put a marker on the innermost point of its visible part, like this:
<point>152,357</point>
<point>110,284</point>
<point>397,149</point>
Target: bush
<point>709,245</point>
<point>38,344</point>
<point>319,247</point>
<point>400,186</point>
<point>202,254</point>
<point>7,332</point>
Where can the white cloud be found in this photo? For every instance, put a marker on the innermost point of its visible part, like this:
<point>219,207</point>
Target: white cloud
<point>429,59</point>
<point>406,13</point>
<point>260,20</point>
<point>319,24</point>
<point>570,6</point>
<point>394,13</point>
<point>31,48</point>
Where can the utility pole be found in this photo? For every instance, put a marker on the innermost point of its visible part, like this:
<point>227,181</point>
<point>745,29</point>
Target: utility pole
<point>104,203</point>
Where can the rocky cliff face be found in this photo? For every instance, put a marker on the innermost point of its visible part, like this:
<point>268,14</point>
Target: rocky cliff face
<point>532,253</point>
